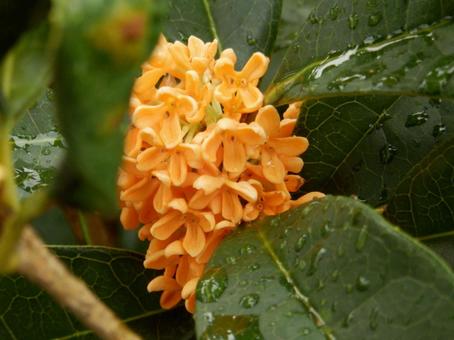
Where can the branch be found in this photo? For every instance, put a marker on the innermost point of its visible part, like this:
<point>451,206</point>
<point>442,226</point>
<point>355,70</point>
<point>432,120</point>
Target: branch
<point>40,266</point>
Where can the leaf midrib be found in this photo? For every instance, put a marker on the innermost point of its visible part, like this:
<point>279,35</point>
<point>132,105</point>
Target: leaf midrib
<point>320,323</point>
<point>213,29</point>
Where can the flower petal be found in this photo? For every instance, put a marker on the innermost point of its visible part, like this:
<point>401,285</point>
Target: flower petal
<point>255,67</point>
<point>211,145</point>
<point>231,206</point>
<point>234,154</point>
<point>178,169</point>
<point>174,248</point>
<point>148,115</point>
<point>208,184</point>
<point>153,158</point>
<point>161,282</point>
<point>189,288</point>
<point>167,225</point>
<point>268,118</point>
<point>170,133</point>
<point>129,218</point>
<point>194,240</point>
<point>170,299</point>
<point>244,189</point>
<point>292,164</point>
<point>272,167</point>
<point>252,98</point>
<point>289,146</point>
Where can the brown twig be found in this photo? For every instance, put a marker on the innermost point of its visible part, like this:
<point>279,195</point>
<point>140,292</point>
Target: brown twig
<point>40,266</point>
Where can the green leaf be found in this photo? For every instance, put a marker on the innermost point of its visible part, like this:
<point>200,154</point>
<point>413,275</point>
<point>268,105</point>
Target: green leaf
<point>419,62</point>
<point>103,46</point>
<point>332,268</point>
<point>26,70</point>
<point>116,276</point>
<point>245,26</point>
<point>424,199</point>
<point>367,145</point>
<point>38,146</point>
<point>331,28</point>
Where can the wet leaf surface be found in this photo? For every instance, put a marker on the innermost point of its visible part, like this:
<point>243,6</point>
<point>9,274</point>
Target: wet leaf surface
<point>331,268</point>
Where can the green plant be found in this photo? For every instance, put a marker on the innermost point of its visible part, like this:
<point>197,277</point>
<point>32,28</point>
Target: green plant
<point>376,81</point>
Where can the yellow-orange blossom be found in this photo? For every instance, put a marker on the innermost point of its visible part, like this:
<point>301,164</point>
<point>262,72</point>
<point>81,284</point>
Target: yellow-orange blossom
<point>195,165</point>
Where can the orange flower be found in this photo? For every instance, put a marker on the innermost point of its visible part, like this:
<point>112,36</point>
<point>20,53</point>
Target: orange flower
<point>222,195</point>
<point>194,169</point>
<point>240,87</point>
<point>280,152</point>
<point>234,137</point>
<point>195,222</point>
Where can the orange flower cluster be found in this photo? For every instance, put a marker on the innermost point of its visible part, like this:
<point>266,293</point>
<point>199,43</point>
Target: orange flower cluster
<point>202,155</point>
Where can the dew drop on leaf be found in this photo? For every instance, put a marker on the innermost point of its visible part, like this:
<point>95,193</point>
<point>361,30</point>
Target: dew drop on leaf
<point>374,19</point>
<point>249,301</point>
<point>251,41</point>
<point>212,285</point>
<point>416,118</point>
<point>387,153</point>
<point>362,237</point>
<point>248,249</point>
<point>254,266</point>
<point>315,260</point>
<point>301,242</point>
<point>438,130</point>
<point>362,283</point>
<point>353,21</point>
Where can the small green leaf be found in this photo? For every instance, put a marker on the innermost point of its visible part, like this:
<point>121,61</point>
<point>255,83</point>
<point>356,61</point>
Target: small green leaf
<point>418,62</point>
<point>118,279</point>
<point>245,26</point>
<point>38,146</point>
<point>104,44</point>
<point>26,70</point>
<point>332,268</point>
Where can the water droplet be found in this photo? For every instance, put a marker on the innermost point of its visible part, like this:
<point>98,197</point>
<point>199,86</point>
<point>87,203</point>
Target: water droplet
<point>46,151</point>
<point>348,320</point>
<point>243,283</point>
<point>248,249</point>
<point>301,264</point>
<point>212,285</point>
<point>416,118</point>
<point>230,259</point>
<point>362,283</point>
<point>362,237</point>
<point>251,41</point>
<point>254,266</point>
<point>349,288</point>
<point>438,130</point>
<point>314,19</point>
<point>283,244</point>
<point>340,250</point>
<point>306,331</point>
<point>334,12</point>
<point>374,19</point>
<point>335,275</point>
<point>373,322</point>
<point>301,242</point>
<point>353,21</point>
<point>387,153</point>
<point>315,260</point>
<point>250,300</point>
<point>325,230</point>
<point>437,79</point>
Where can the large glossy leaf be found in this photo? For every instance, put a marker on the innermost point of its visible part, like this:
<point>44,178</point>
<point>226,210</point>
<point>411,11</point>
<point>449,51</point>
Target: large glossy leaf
<point>116,276</point>
<point>38,146</point>
<point>26,70</point>
<point>326,27</point>
<point>103,46</point>
<point>333,268</point>
<point>245,26</point>
<point>367,145</point>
